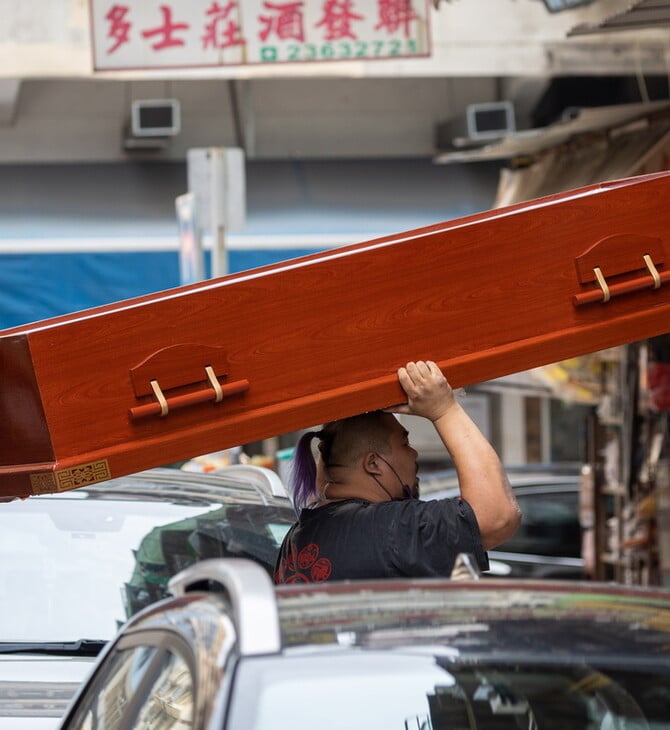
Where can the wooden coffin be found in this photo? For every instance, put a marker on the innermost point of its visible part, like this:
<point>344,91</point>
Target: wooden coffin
<point>152,380</point>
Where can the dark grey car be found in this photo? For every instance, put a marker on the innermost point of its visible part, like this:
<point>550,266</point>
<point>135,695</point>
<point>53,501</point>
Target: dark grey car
<point>232,652</point>
<point>548,543</point>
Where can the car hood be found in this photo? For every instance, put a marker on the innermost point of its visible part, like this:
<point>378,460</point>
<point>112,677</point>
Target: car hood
<point>36,690</point>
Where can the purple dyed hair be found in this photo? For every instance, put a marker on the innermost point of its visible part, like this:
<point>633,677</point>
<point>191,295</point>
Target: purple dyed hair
<point>303,476</point>
<point>366,431</point>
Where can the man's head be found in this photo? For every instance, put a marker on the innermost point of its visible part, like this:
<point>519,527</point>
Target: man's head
<point>369,446</point>
<point>344,442</point>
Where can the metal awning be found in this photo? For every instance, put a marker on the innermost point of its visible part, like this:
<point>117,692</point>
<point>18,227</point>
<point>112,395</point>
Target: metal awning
<point>532,142</point>
<point>640,15</point>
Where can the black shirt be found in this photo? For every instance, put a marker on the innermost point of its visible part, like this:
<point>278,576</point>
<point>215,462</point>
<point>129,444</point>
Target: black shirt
<point>353,539</point>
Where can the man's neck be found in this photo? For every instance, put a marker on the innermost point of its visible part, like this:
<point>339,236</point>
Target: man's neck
<point>338,491</point>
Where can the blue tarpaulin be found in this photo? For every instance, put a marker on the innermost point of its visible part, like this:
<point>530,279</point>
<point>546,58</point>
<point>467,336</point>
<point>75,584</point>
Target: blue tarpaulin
<point>74,237</point>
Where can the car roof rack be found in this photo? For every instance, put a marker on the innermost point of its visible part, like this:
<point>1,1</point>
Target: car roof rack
<point>251,594</point>
<point>465,568</point>
<point>263,478</point>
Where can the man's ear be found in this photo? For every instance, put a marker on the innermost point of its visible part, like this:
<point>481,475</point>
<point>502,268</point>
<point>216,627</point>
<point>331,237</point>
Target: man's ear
<point>371,463</point>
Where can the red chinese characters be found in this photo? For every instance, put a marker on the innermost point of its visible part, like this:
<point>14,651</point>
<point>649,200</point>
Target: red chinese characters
<point>222,29</point>
<point>166,32</point>
<point>200,27</point>
<point>395,15</point>
<point>283,20</point>
<point>119,27</point>
<point>338,19</point>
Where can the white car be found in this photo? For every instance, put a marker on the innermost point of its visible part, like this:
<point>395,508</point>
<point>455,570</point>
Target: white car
<point>75,566</point>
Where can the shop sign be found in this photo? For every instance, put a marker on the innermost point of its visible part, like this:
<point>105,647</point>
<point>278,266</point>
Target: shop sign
<point>151,34</point>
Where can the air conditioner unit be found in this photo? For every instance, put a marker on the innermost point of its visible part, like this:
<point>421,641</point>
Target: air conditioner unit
<point>491,120</point>
<point>479,124</point>
<point>155,118</point>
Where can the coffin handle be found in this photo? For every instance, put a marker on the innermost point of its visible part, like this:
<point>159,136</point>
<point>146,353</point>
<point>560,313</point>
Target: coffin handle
<point>162,400</point>
<point>606,291</point>
<point>214,394</point>
<point>606,262</point>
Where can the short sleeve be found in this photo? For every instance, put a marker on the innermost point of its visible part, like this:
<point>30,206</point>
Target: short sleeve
<point>430,534</point>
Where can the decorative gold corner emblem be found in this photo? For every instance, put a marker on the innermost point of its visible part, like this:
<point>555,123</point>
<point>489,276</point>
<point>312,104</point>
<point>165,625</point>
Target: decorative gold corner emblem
<point>42,483</point>
<point>82,475</point>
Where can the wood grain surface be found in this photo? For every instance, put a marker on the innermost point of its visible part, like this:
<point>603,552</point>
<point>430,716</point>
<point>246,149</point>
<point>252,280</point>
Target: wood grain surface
<point>321,337</point>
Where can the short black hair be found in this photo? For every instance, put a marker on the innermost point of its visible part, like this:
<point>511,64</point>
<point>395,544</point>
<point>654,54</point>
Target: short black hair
<point>343,442</point>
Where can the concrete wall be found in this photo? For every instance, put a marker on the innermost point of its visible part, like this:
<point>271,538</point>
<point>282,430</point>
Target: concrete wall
<point>55,108</point>
<point>81,120</point>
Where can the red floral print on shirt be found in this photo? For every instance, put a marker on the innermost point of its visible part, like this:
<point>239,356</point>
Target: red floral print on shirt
<point>305,567</point>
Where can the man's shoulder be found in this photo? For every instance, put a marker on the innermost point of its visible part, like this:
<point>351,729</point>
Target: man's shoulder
<point>362,509</point>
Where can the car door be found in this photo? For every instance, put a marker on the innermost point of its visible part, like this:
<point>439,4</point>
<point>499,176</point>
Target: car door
<point>548,541</point>
<point>147,679</point>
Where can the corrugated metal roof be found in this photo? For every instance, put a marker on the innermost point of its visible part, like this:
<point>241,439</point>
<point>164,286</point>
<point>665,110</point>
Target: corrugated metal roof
<point>640,15</point>
<point>531,142</point>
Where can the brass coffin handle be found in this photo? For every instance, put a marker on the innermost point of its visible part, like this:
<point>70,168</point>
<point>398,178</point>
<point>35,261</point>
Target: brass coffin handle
<point>214,394</point>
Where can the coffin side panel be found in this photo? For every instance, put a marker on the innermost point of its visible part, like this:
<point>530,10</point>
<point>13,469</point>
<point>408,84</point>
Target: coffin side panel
<point>321,337</point>
<point>24,433</point>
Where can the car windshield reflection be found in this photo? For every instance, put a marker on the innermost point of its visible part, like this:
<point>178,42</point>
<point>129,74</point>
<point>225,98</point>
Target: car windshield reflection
<point>397,690</point>
<point>78,566</point>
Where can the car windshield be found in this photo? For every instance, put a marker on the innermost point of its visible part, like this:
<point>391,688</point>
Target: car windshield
<point>381,690</point>
<point>76,566</point>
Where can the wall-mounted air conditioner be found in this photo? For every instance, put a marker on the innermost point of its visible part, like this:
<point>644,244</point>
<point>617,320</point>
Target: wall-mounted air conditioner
<point>155,118</point>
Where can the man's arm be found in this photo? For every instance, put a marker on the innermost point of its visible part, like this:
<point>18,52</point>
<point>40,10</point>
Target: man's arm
<point>481,477</point>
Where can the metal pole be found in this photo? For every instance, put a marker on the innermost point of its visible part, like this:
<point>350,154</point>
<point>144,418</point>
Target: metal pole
<point>218,193</point>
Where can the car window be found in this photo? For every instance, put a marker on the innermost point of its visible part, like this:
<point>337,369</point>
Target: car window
<point>382,690</point>
<point>143,687</point>
<point>79,566</point>
<point>169,702</point>
<point>373,690</point>
<point>550,526</point>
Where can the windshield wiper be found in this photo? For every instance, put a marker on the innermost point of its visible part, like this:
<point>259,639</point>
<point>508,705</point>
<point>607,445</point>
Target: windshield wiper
<point>81,647</point>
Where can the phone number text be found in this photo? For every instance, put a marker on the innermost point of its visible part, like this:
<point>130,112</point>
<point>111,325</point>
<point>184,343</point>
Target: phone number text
<point>340,50</point>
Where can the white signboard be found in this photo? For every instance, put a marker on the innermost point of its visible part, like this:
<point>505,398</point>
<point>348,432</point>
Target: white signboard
<point>150,34</point>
